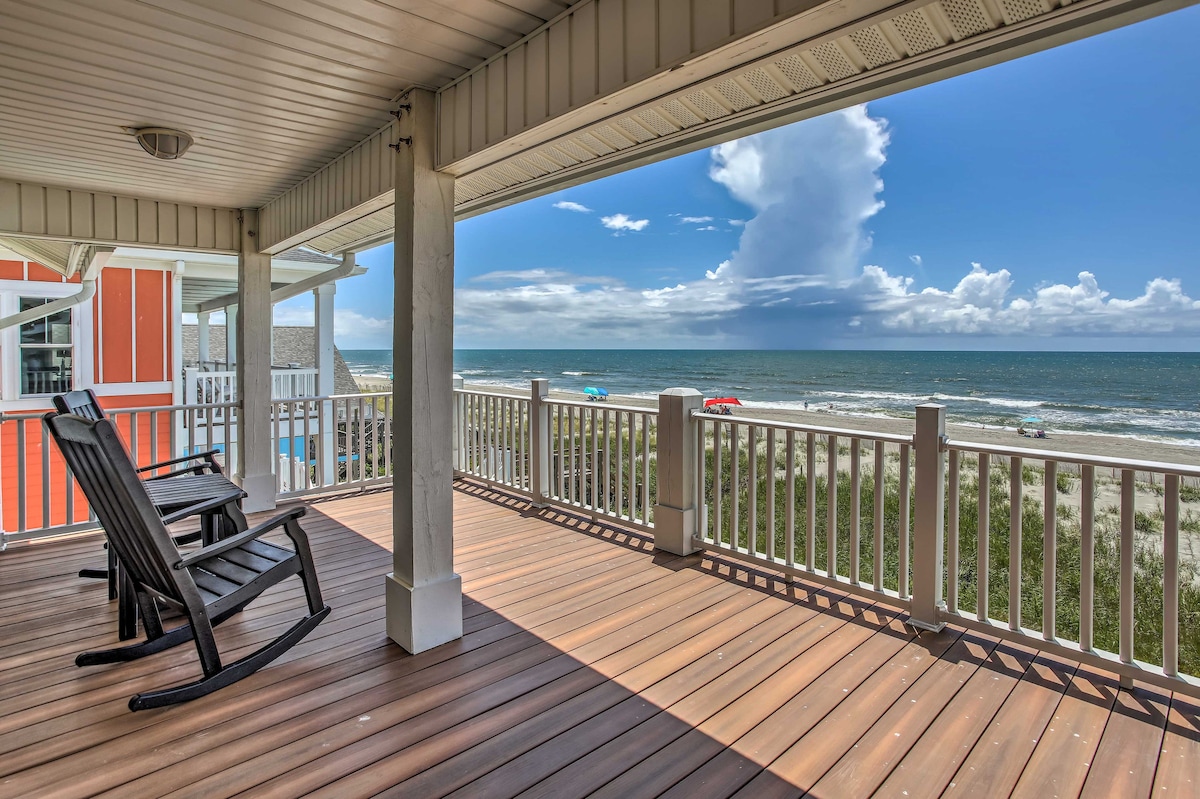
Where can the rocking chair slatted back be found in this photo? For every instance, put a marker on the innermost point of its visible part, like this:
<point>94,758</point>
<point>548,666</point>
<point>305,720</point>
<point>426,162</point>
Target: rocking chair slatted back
<point>80,403</point>
<point>102,466</point>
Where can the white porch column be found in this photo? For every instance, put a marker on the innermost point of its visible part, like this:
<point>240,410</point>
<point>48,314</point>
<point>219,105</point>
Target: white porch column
<point>675,513</point>
<point>424,595</point>
<point>231,329</point>
<point>256,455</point>
<point>176,373</point>
<point>202,336</point>
<point>323,297</point>
<point>928,529</point>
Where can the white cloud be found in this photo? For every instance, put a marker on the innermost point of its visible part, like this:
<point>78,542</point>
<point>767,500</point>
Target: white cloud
<point>813,185</point>
<point>796,277</point>
<point>567,205</point>
<point>737,222</point>
<point>708,227</point>
<point>694,220</point>
<point>621,222</point>
<point>352,329</point>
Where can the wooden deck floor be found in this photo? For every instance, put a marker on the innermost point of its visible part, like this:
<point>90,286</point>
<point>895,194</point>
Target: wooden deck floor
<point>591,665</point>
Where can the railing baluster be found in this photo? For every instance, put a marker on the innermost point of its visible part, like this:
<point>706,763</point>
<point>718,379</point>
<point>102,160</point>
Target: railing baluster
<point>1171,575</point>
<point>560,465</point>
<point>607,464</point>
<point>905,502</point>
<point>735,485</point>
<point>810,503</point>
<point>632,467</point>
<point>789,499</point>
<point>701,505</point>
<point>645,468</point>
<point>22,493</point>
<point>46,520</point>
<point>1015,488</point>
<point>154,438</point>
<point>831,505</point>
<point>133,439</point>
<point>594,471</point>
<point>718,487</point>
<point>619,464</point>
<point>952,512</point>
<point>855,509</point>
<point>1127,547</point>
<point>983,538</point>
<point>752,492</point>
<point>877,520</point>
<point>770,475</point>
<point>1050,549</point>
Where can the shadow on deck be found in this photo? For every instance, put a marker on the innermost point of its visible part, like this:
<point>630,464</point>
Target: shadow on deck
<point>590,665</point>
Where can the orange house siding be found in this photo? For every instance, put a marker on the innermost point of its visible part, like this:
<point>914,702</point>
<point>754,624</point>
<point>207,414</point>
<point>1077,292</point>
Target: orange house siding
<point>149,325</point>
<point>12,270</point>
<point>153,443</point>
<point>115,335</point>
<point>39,272</point>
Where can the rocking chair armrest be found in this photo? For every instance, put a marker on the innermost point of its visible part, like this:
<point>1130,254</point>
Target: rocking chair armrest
<point>203,507</point>
<point>209,456</point>
<point>234,541</point>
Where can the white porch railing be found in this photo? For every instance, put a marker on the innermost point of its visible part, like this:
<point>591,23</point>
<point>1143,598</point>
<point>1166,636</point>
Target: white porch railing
<point>1088,568</point>
<point>216,387</point>
<point>917,521</point>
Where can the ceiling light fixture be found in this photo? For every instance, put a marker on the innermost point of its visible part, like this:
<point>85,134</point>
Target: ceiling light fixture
<point>165,143</point>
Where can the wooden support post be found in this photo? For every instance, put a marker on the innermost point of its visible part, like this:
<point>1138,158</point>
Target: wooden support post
<point>175,373</point>
<point>424,595</point>
<point>202,337</point>
<point>675,515</point>
<point>252,330</point>
<point>231,328</point>
<point>928,574</point>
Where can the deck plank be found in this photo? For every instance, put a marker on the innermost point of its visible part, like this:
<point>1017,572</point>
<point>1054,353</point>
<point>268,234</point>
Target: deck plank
<point>590,665</point>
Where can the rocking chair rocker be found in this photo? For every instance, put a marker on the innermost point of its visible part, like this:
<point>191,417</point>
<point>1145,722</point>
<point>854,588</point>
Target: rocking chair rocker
<point>208,585</point>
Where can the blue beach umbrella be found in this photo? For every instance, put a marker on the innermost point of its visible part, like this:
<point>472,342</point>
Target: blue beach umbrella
<point>595,393</point>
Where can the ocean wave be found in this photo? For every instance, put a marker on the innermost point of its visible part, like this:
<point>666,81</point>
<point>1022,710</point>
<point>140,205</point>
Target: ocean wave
<point>474,371</point>
<point>582,374</point>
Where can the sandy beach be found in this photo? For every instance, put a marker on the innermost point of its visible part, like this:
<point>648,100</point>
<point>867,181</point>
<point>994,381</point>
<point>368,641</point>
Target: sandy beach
<point>1108,446</point>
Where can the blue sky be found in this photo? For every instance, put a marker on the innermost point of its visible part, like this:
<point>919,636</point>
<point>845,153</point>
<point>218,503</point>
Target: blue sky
<point>1045,203</point>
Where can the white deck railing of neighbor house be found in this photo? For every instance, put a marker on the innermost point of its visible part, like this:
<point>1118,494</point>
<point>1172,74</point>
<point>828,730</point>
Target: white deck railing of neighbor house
<point>201,387</point>
<point>331,443</point>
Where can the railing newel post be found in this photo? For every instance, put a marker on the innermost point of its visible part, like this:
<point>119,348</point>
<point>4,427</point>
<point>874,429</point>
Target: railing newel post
<point>539,438</point>
<point>928,571</point>
<point>675,512</point>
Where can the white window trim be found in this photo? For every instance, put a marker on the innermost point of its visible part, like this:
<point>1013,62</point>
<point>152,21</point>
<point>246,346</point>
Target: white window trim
<point>81,340</point>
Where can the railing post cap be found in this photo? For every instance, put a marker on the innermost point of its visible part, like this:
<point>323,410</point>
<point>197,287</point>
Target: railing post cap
<point>932,406</point>
<point>680,392</point>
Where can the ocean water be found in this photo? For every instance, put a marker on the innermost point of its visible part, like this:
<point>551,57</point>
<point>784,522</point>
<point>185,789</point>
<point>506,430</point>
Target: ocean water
<point>1153,396</point>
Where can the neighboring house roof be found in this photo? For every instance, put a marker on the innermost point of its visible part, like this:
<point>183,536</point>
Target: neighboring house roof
<point>301,255</point>
<point>289,345</point>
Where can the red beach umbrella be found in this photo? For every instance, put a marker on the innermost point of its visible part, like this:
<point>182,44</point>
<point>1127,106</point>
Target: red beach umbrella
<point>721,401</point>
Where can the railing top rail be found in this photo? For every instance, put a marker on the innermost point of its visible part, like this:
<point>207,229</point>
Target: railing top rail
<point>1181,469</point>
<point>13,417</point>
<point>508,393</point>
<point>746,421</point>
<point>602,406</point>
<point>364,395</point>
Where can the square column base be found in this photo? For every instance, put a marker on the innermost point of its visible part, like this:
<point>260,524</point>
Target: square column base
<point>674,529</point>
<point>260,491</point>
<point>426,616</point>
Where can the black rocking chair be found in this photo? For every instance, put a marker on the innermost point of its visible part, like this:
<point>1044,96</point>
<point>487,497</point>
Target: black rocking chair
<point>208,586</point>
<point>84,403</point>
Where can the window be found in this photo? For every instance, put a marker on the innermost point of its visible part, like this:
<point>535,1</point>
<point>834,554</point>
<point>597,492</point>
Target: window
<point>46,351</point>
